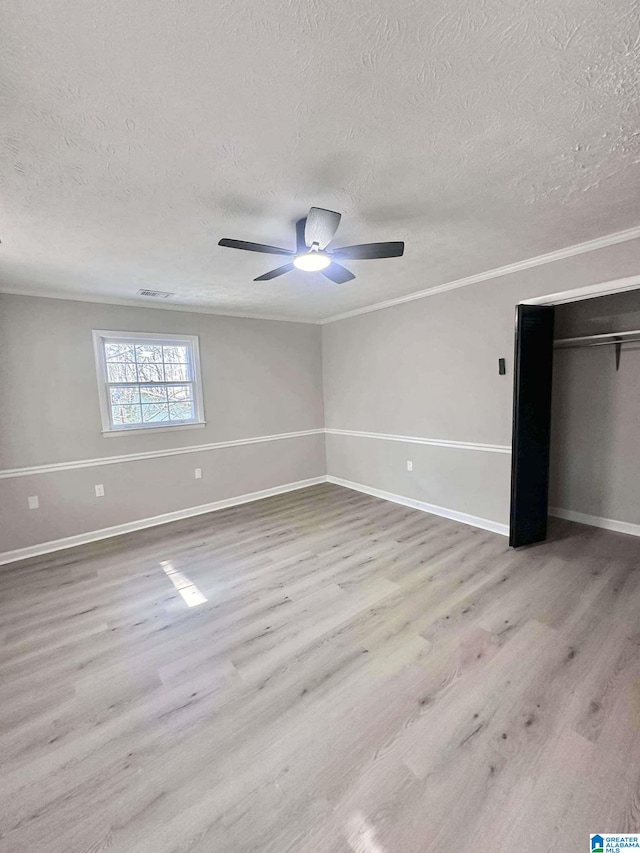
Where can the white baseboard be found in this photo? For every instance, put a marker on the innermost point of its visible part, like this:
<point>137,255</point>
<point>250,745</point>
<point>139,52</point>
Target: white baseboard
<point>596,521</point>
<point>454,515</point>
<point>141,524</point>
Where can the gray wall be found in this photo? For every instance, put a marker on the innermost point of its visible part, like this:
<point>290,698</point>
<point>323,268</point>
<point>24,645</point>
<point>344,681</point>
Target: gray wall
<point>429,369</point>
<point>595,441</point>
<point>259,378</point>
<point>426,369</point>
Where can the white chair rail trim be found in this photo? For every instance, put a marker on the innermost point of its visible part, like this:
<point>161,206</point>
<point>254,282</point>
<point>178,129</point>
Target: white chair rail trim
<point>10,473</point>
<point>152,454</point>
<point>415,439</point>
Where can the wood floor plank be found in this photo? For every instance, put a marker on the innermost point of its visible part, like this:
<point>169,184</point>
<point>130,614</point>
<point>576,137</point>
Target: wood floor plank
<point>357,677</point>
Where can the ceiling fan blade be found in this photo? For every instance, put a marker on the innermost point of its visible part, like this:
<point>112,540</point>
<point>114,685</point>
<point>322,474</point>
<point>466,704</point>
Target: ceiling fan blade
<point>301,246</point>
<point>369,251</point>
<point>254,247</point>
<point>275,273</point>
<point>338,274</point>
<point>321,226</point>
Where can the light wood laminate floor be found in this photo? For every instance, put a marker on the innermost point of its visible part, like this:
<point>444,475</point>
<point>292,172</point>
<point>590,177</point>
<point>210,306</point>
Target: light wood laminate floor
<point>362,677</point>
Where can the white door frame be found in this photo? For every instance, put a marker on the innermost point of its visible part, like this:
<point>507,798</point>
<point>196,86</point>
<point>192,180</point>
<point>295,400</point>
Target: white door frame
<point>605,288</point>
<point>618,285</point>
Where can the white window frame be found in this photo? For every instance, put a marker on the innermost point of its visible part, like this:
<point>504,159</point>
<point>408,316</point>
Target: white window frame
<point>109,429</point>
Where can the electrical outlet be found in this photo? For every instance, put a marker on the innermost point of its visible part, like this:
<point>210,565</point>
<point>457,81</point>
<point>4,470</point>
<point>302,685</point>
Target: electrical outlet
<point>33,502</point>
<point>99,491</point>
<point>198,473</point>
<point>409,465</point>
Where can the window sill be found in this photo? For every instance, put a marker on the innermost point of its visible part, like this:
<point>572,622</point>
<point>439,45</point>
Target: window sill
<point>113,433</point>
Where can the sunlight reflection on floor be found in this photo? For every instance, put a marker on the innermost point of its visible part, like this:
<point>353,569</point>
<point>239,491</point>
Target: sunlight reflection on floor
<point>362,836</point>
<point>187,589</point>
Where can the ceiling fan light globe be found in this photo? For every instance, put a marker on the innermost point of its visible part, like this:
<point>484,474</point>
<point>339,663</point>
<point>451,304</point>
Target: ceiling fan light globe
<point>311,261</point>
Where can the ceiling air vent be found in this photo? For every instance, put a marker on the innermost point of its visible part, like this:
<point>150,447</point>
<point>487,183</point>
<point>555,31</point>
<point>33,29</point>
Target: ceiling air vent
<point>155,294</point>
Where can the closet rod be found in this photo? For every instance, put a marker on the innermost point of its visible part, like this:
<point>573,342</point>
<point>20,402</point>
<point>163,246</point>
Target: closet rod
<point>607,339</point>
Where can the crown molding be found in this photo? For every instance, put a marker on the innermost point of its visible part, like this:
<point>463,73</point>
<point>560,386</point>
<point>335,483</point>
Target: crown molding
<point>518,266</point>
<point>139,303</point>
<point>538,260</point>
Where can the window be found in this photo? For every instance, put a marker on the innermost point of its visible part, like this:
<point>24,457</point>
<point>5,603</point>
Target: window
<point>148,381</point>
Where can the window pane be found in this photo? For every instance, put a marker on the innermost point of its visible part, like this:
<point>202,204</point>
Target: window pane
<point>175,354</point>
<point>176,372</point>
<point>150,373</point>
<point>125,394</point>
<point>148,381</point>
<point>120,372</point>
<point>181,411</point>
<point>119,352</point>
<point>178,393</point>
<point>148,353</point>
<point>153,393</point>
<point>153,412</point>
<point>126,415</point>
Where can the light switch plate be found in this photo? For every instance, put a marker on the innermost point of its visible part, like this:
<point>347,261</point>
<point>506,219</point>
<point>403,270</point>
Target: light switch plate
<point>33,502</point>
<point>99,491</point>
<point>198,473</point>
<point>409,465</point>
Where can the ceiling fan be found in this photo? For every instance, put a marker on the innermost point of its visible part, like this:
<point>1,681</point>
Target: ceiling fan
<point>313,235</point>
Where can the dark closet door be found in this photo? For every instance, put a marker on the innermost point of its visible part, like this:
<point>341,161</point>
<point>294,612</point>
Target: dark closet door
<point>531,424</point>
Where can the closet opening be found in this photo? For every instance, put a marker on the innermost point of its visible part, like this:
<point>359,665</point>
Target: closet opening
<point>576,415</point>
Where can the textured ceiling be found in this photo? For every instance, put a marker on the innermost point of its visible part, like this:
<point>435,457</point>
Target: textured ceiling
<point>136,134</point>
